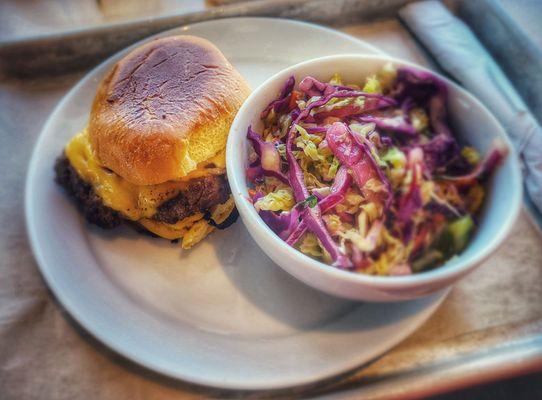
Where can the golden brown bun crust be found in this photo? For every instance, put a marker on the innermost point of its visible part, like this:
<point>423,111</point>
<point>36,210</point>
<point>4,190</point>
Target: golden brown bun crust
<point>164,108</point>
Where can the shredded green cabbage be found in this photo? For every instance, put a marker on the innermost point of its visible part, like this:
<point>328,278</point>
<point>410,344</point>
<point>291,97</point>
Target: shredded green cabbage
<point>372,85</point>
<point>334,224</point>
<point>336,80</point>
<point>280,200</point>
<point>386,76</point>
<point>308,143</point>
<point>310,245</point>
<point>395,157</point>
<point>362,129</point>
<point>419,119</point>
<point>471,155</point>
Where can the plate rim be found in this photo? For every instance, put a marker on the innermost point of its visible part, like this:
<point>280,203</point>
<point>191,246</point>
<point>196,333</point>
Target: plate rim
<point>103,337</point>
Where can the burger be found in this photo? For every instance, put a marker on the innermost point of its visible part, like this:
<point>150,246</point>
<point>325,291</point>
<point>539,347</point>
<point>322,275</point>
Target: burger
<point>153,152</point>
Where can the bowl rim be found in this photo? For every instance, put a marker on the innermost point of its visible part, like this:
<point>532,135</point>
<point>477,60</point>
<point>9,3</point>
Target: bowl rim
<point>249,214</point>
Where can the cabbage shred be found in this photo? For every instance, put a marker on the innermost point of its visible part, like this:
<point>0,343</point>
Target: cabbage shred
<point>369,179</point>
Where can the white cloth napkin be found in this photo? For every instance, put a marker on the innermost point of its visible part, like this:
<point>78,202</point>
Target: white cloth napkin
<point>458,51</point>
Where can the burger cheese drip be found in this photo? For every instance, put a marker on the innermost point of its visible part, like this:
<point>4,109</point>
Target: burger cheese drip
<point>132,201</point>
<point>141,202</point>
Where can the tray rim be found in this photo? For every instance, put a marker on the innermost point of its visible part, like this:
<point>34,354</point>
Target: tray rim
<point>514,354</point>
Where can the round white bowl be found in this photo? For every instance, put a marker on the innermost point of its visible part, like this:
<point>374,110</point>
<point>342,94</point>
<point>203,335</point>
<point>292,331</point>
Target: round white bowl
<point>471,122</point>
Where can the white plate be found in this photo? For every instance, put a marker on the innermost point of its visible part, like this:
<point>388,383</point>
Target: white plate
<point>221,314</point>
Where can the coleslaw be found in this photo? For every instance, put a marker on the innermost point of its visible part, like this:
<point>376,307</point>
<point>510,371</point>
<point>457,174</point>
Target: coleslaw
<point>368,178</point>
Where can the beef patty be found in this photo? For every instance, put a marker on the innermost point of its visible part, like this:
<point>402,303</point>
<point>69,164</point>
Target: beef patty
<point>201,194</point>
<point>87,200</point>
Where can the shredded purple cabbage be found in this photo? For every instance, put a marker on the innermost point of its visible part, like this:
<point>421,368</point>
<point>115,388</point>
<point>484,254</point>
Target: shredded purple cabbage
<point>416,87</point>
<point>368,148</point>
<point>337,192</point>
<point>355,152</point>
<point>311,216</point>
<point>315,129</point>
<point>281,103</point>
<point>440,151</point>
<point>342,182</point>
<point>270,162</point>
<point>396,124</point>
<point>313,87</point>
<point>368,162</point>
<point>282,223</point>
<point>495,156</point>
<point>411,202</point>
<point>343,146</point>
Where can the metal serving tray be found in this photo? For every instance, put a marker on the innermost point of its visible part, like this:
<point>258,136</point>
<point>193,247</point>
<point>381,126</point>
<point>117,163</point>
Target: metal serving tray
<point>489,327</point>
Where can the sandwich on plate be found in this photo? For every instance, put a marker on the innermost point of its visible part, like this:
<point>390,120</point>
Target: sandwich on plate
<point>153,152</point>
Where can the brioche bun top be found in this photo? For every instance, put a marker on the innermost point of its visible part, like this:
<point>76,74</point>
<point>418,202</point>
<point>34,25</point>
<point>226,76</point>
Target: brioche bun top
<point>164,108</point>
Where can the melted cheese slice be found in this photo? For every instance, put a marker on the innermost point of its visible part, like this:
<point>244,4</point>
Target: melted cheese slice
<point>192,229</point>
<point>133,201</point>
<point>172,231</point>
